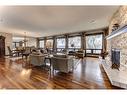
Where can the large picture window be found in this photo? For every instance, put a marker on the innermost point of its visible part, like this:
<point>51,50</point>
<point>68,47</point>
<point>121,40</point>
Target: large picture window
<point>74,42</point>
<point>61,43</point>
<point>94,43</point>
<point>41,43</point>
<point>49,43</point>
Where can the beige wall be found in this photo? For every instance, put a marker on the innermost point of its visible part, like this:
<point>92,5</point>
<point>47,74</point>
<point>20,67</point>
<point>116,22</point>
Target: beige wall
<point>30,40</point>
<point>8,40</point>
<point>120,41</point>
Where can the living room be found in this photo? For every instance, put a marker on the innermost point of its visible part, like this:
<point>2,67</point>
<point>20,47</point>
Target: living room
<point>63,47</point>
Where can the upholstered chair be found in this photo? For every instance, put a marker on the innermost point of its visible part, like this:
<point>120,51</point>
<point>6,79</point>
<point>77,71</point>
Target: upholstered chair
<point>62,63</point>
<point>80,54</point>
<point>37,59</point>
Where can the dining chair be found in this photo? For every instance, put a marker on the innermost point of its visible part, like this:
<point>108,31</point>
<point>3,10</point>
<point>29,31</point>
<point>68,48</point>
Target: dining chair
<point>11,52</point>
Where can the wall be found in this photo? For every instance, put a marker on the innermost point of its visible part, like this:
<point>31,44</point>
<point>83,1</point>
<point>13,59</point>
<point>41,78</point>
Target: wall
<point>8,40</point>
<point>30,40</point>
<point>120,41</point>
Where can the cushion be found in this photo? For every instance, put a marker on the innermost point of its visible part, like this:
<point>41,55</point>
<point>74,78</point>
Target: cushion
<point>60,55</point>
<point>36,53</point>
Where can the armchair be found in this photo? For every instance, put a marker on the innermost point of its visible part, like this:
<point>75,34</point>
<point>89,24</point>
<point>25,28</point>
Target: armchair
<point>80,53</point>
<point>26,52</point>
<point>63,64</point>
<point>37,60</point>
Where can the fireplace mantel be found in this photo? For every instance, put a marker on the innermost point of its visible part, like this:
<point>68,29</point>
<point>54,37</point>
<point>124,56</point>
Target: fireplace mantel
<point>117,32</point>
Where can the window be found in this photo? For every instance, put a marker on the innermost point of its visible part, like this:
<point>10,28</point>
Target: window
<point>94,42</point>
<point>61,43</point>
<point>13,45</point>
<point>41,43</point>
<point>49,43</point>
<point>74,42</point>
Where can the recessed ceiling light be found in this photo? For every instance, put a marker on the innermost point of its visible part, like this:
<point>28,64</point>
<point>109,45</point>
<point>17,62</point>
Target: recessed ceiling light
<point>1,20</point>
<point>92,21</point>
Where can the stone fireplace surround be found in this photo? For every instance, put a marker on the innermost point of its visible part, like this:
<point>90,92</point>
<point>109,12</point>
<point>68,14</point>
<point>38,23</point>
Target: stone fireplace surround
<point>119,42</point>
<point>117,78</point>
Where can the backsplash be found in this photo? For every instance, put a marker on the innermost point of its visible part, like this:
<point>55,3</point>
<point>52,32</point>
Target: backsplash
<point>119,42</point>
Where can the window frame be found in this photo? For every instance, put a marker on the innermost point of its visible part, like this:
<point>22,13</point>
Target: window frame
<point>52,42</point>
<point>92,50</point>
<point>75,48</point>
<point>60,49</point>
<point>39,43</point>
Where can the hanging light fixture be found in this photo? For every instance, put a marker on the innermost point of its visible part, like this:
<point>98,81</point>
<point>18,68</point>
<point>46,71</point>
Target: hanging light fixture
<point>25,39</point>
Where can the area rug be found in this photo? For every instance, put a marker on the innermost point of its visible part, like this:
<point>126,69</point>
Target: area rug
<point>14,58</point>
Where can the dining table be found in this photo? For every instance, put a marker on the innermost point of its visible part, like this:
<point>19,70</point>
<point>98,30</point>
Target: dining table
<point>18,52</point>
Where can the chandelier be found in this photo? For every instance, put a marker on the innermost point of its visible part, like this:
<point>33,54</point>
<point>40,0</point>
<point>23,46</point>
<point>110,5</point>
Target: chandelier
<point>25,39</point>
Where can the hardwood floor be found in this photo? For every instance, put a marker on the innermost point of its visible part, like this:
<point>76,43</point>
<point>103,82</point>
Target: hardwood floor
<point>89,74</point>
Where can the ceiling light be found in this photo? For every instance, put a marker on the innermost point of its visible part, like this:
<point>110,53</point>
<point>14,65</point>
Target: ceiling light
<point>92,21</point>
<point>1,20</point>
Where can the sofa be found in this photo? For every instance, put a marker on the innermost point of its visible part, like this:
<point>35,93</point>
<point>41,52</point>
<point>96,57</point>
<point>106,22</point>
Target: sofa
<point>62,63</point>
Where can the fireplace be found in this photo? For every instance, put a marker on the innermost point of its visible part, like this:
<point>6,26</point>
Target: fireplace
<point>115,58</point>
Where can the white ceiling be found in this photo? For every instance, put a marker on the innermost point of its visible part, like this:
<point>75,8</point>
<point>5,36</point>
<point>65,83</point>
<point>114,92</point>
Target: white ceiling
<point>38,21</point>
